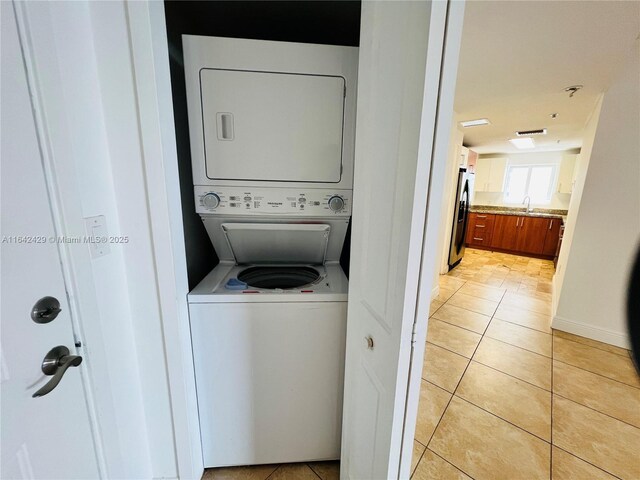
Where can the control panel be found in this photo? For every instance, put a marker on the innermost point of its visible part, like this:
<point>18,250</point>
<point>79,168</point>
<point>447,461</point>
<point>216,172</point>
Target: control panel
<point>275,201</point>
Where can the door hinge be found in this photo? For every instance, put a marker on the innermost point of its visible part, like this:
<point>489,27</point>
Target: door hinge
<point>413,333</point>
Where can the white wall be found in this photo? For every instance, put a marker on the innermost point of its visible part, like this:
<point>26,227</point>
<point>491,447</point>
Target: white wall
<point>448,198</point>
<point>558,200</point>
<point>592,290</point>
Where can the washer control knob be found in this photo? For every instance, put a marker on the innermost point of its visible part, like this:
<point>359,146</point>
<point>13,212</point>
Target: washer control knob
<point>336,203</point>
<point>211,200</point>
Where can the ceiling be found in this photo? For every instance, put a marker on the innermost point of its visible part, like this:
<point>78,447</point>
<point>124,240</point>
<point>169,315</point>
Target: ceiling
<point>518,56</point>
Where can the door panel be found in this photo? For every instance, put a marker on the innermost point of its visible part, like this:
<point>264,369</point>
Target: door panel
<point>531,235</point>
<point>505,232</point>
<point>552,237</point>
<point>50,436</point>
<point>395,109</point>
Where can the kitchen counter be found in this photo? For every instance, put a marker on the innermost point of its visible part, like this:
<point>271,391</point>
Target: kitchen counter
<point>520,211</point>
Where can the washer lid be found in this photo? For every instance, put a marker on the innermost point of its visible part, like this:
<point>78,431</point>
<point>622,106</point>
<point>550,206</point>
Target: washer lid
<point>269,243</point>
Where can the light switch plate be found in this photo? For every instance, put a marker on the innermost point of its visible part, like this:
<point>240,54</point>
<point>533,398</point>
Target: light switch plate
<point>98,237</point>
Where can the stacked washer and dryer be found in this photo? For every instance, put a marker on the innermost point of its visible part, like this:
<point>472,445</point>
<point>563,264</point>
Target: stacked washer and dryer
<point>272,128</point>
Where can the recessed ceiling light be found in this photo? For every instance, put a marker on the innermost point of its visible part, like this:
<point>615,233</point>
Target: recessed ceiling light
<point>523,143</point>
<point>475,123</point>
<point>554,115</point>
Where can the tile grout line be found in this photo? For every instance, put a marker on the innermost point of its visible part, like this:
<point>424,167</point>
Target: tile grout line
<point>595,410</point>
<point>271,474</point>
<point>413,470</point>
<point>444,459</point>
<point>510,375</point>
<point>548,442</point>
<point>444,412</point>
<point>596,373</point>
<point>586,461</point>
<point>591,346</point>
<point>551,422</point>
<point>313,470</point>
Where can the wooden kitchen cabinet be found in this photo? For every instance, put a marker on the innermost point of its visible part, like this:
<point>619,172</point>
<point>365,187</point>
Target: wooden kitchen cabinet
<point>519,234</point>
<point>532,232</point>
<point>505,232</point>
<point>552,238</point>
<point>480,229</point>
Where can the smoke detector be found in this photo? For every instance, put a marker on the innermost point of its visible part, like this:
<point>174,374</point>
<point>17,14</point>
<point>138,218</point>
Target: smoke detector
<point>573,89</point>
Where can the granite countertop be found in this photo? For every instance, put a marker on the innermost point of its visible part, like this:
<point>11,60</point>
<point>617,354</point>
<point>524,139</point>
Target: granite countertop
<point>537,212</point>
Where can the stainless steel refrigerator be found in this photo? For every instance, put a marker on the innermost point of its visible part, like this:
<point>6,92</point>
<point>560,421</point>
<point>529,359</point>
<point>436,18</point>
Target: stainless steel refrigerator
<point>460,217</point>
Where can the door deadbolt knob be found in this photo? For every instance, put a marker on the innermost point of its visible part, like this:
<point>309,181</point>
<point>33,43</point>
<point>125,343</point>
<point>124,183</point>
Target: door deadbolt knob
<point>55,363</point>
<point>45,310</point>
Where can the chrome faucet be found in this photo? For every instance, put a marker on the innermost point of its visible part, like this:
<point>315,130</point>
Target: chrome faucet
<point>527,200</point>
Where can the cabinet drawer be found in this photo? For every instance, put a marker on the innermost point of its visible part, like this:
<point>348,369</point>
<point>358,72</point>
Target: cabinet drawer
<point>485,222</point>
<point>479,239</point>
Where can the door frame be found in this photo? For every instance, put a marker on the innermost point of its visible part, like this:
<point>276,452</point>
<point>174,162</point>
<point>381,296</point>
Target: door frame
<point>430,256</point>
<point>150,56</point>
<point>149,48</point>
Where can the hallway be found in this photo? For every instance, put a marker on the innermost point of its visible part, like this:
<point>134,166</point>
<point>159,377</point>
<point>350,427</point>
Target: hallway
<point>504,396</point>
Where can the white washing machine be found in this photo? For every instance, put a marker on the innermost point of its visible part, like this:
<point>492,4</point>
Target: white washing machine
<point>272,135</point>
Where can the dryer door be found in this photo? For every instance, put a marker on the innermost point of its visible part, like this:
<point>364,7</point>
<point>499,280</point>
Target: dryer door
<point>269,126</point>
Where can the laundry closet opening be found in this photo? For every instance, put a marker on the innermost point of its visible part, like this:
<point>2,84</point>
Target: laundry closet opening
<point>325,23</point>
<point>264,97</point>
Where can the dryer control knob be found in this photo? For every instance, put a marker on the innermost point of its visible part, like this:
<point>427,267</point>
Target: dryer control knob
<point>336,203</point>
<point>211,200</point>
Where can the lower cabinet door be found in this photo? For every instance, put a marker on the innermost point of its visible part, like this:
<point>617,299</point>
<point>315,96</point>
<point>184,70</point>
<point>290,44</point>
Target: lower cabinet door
<point>552,238</point>
<point>505,232</point>
<point>532,233</point>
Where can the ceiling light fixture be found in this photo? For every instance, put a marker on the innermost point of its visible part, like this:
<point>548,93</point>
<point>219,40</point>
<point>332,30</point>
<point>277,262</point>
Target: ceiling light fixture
<point>573,89</point>
<point>475,123</point>
<point>524,143</point>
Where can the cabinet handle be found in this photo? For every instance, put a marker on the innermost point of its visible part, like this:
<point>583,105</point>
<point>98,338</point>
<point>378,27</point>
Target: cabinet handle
<point>522,223</point>
<point>550,224</point>
<point>476,238</point>
<point>517,221</point>
<point>481,216</point>
<point>479,226</point>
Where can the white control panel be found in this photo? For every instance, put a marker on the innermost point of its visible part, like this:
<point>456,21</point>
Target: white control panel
<point>275,201</point>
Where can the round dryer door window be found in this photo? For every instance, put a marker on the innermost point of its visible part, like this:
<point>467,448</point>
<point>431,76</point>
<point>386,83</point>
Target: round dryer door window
<point>278,277</point>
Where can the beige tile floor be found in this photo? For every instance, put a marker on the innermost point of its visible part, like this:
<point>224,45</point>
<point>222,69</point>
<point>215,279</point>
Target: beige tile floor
<point>505,397</point>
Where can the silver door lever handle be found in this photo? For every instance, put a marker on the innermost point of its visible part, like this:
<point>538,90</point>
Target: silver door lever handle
<point>56,362</point>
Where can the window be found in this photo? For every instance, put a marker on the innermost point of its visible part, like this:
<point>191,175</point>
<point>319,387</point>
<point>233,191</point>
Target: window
<point>534,181</point>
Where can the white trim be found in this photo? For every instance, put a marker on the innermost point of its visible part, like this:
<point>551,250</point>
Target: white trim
<point>435,291</point>
<point>589,331</point>
<point>451,15</point>
<point>153,85</point>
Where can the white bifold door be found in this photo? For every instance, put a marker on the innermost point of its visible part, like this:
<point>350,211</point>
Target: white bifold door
<point>402,45</point>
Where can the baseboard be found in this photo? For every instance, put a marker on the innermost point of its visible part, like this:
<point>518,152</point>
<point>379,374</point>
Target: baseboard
<point>589,331</point>
<point>435,291</point>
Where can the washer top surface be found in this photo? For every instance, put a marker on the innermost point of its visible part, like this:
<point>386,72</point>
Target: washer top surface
<point>272,283</point>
